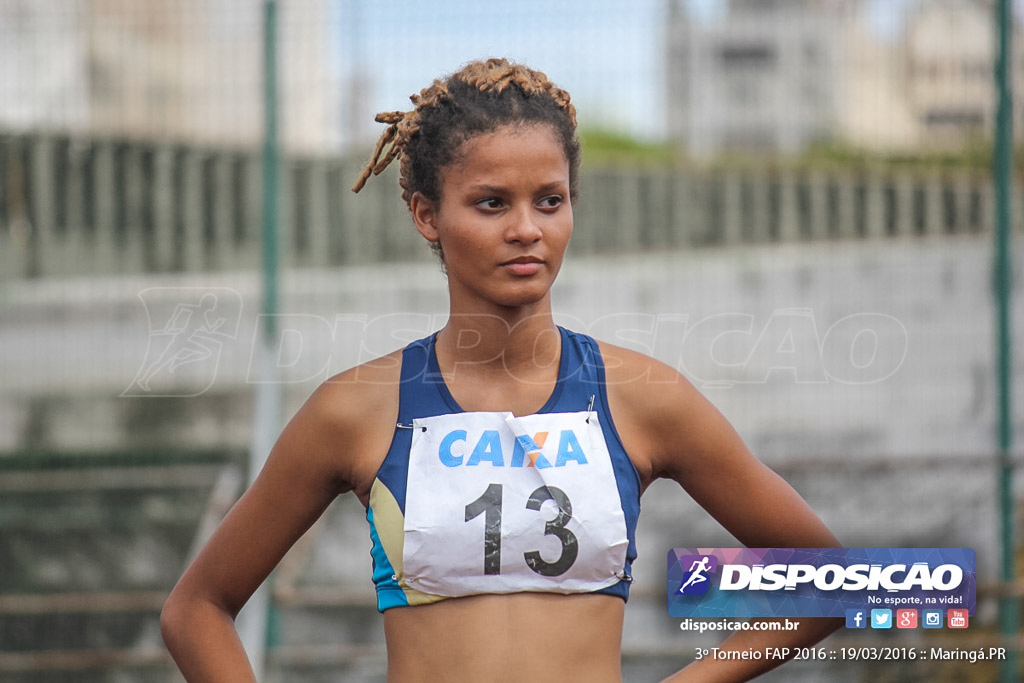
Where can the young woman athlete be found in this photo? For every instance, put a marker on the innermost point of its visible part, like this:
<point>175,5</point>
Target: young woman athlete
<point>501,460</point>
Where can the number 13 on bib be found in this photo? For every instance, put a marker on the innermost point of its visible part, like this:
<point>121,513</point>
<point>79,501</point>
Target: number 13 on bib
<point>500,504</point>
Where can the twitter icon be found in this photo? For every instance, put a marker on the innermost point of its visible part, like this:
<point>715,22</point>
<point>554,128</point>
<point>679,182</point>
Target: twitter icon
<point>881,618</point>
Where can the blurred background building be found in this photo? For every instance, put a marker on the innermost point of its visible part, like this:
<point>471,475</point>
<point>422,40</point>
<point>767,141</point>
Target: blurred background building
<point>762,77</point>
<point>790,201</point>
<point>778,76</point>
<point>768,75</point>
<point>187,70</point>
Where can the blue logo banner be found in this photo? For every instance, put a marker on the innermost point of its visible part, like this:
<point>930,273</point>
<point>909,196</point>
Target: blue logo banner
<point>818,582</point>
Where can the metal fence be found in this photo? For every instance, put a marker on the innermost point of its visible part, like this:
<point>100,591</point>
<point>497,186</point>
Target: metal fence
<point>97,99</point>
<point>72,206</point>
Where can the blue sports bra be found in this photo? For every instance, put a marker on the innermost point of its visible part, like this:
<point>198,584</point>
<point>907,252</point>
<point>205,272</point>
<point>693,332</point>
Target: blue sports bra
<point>471,503</point>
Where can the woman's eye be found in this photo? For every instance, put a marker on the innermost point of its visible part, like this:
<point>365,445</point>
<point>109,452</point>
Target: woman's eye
<point>552,202</point>
<point>490,203</point>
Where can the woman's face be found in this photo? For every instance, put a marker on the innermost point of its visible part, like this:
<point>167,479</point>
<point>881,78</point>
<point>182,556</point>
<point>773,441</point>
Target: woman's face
<point>504,218</point>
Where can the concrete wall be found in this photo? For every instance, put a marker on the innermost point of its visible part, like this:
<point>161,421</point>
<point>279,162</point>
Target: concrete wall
<point>811,349</point>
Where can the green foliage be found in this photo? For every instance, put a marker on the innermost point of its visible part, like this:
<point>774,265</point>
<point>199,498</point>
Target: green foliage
<point>975,155</point>
<point>603,147</point>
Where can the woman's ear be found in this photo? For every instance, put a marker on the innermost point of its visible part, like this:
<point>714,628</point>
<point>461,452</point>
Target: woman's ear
<point>424,215</point>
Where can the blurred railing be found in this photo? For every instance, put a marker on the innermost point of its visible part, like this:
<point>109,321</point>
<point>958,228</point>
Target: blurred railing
<point>74,206</point>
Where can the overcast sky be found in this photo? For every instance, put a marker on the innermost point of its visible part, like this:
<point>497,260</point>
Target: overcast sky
<point>606,53</point>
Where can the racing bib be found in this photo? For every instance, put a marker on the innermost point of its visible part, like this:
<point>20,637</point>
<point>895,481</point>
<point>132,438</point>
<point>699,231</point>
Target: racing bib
<point>500,504</point>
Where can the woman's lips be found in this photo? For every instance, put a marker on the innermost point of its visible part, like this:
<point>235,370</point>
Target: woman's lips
<point>523,266</point>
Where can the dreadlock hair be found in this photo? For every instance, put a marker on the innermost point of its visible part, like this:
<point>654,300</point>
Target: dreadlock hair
<point>482,97</point>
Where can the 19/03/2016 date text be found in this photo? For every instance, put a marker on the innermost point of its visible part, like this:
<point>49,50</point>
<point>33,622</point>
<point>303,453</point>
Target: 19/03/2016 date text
<point>857,654</point>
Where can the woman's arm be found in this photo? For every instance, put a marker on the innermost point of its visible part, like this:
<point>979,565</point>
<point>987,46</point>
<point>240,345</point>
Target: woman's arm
<point>762,511</point>
<point>673,432</point>
<point>319,455</point>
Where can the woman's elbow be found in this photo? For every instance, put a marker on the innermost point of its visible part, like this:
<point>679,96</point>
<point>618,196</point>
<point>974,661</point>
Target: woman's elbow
<point>173,617</point>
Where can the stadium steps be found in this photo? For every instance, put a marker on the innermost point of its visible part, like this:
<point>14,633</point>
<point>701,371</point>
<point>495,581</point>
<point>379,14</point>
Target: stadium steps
<point>90,544</point>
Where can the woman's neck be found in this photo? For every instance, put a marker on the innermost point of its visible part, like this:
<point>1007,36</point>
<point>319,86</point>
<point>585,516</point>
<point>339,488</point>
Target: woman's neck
<point>491,341</point>
<point>490,362</point>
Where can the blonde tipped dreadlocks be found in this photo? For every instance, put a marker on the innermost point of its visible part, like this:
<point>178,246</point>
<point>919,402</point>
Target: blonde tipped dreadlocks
<point>479,99</point>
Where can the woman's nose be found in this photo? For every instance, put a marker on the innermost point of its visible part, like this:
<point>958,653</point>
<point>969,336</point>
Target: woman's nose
<point>523,226</point>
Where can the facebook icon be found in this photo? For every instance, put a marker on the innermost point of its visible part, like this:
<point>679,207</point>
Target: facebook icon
<point>856,618</point>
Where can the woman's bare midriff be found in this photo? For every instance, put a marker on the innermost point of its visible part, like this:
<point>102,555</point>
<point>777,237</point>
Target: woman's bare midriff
<point>519,638</point>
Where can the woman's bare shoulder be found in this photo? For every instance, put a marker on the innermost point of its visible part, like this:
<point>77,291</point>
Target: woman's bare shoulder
<point>350,420</point>
<point>657,411</point>
<point>363,390</point>
<point>635,369</point>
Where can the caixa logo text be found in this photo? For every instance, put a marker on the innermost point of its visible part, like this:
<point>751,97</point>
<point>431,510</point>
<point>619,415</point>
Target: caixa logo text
<point>832,577</point>
<point>526,450</point>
